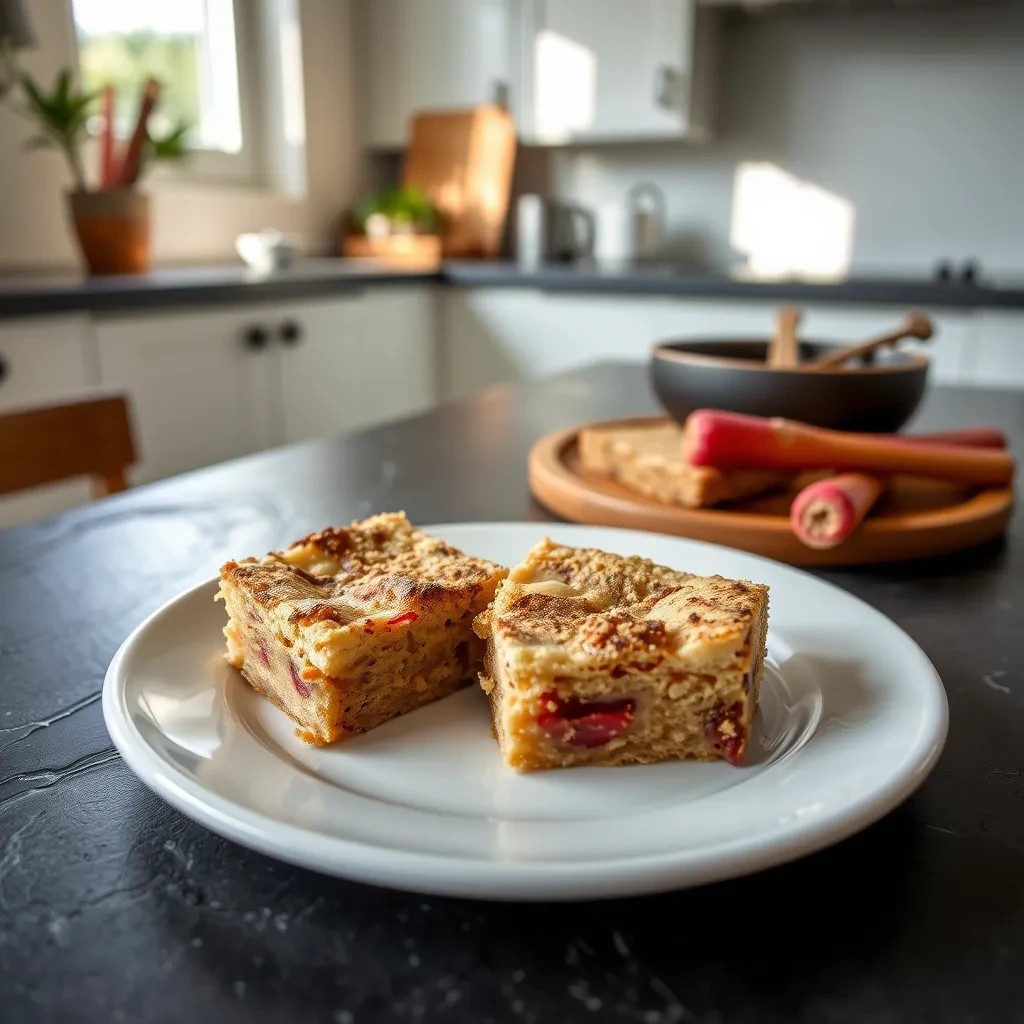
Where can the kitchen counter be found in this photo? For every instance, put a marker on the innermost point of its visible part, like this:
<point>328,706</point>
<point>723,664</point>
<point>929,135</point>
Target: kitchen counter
<point>191,286</point>
<point>115,907</point>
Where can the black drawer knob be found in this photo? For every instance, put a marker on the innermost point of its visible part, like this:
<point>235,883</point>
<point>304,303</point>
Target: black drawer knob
<point>290,332</point>
<point>256,338</point>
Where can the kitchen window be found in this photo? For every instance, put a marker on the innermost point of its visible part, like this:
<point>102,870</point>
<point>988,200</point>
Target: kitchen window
<point>202,52</point>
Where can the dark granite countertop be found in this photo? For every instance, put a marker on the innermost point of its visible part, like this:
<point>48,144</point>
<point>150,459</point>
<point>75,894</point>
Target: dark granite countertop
<point>170,287</point>
<point>115,907</point>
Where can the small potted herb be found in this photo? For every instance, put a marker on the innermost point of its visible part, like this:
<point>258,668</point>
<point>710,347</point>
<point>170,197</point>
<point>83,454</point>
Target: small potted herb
<point>400,226</point>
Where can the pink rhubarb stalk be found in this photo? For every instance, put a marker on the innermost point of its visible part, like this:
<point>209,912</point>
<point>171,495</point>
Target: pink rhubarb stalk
<point>728,440</point>
<point>826,512</point>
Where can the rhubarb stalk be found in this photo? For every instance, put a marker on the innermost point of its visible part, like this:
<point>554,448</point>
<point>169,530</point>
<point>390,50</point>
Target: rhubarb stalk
<point>826,512</point>
<point>728,440</point>
<point>129,172</point>
<point>108,173</point>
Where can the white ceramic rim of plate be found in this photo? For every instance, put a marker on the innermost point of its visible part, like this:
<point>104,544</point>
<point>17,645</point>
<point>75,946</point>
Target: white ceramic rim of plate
<point>491,879</point>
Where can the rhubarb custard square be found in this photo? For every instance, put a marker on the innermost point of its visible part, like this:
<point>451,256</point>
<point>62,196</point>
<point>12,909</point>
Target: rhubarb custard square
<point>594,658</point>
<point>351,626</point>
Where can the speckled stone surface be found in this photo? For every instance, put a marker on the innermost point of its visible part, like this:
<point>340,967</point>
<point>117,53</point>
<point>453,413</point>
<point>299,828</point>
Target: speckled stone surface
<point>113,907</point>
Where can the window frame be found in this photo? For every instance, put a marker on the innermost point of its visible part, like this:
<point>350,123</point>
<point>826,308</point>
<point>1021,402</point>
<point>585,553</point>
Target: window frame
<point>216,166</point>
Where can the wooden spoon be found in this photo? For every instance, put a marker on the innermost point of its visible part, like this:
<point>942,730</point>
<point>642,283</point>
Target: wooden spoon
<point>917,325</point>
<point>783,351</point>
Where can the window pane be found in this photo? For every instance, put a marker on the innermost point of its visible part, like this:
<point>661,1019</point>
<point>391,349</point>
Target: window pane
<point>189,45</point>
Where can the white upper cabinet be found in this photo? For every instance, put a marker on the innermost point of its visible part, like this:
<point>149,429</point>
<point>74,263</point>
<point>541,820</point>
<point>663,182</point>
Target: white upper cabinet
<point>616,70</point>
<point>568,70</point>
<point>430,54</point>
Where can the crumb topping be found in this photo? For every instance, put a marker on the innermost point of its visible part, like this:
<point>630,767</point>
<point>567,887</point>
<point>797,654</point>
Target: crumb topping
<point>382,565</point>
<point>597,604</point>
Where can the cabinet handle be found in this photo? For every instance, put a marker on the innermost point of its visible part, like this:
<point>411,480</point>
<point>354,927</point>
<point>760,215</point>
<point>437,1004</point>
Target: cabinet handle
<point>256,338</point>
<point>500,93</point>
<point>668,88</point>
<point>290,332</point>
<point>4,369</point>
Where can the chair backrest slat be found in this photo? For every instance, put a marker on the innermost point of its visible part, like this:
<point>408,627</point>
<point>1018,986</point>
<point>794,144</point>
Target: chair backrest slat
<point>84,437</point>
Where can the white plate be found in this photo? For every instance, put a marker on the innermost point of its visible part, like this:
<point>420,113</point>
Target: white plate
<point>852,718</point>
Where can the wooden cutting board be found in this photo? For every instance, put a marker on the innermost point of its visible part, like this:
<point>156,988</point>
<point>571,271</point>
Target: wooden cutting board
<point>463,160</point>
<point>915,518</point>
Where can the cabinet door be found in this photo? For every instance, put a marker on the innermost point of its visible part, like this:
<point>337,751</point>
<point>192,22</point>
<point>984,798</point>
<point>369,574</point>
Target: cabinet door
<point>355,361</point>
<point>44,359</point>
<point>493,335</point>
<point>200,394</point>
<point>998,361</point>
<point>613,70</point>
<point>948,349</point>
<point>423,54</point>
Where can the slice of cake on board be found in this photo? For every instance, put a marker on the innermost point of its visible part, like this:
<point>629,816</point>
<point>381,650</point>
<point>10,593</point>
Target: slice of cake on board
<point>595,658</point>
<point>648,459</point>
<point>351,626</point>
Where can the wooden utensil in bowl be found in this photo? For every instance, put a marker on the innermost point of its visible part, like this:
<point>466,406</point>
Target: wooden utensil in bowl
<point>917,325</point>
<point>783,351</point>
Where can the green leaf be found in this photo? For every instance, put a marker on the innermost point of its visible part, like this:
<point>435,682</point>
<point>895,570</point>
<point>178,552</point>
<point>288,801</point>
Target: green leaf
<point>35,99</point>
<point>405,205</point>
<point>62,91</point>
<point>171,146</point>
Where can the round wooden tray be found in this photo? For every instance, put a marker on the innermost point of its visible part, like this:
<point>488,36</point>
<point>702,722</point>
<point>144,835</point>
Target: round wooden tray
<point>914,519</point>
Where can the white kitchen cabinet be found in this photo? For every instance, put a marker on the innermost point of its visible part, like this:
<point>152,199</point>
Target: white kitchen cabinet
<point>568,70</point>
<point>423,54</point>
<point>202,387</point>
<point>45,359</point>
<point>492,335</point>
<point>998,357</point>
<point>214,384</point>
<point>356,361</point>
<point>948,349</point>
<point>613,71</point>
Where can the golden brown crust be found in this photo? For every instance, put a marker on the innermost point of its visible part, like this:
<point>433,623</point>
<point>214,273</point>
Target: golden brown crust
<point>594,604</point>
<point>340,577</point>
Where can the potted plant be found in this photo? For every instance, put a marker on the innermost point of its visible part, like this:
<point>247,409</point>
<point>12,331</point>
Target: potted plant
<point>111,221</point>
<point>398,226</point>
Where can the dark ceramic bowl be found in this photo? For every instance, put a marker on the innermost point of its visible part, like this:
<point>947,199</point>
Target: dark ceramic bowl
<point>878,397</point>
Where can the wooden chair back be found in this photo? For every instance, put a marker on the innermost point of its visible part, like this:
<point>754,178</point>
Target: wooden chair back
<point>45,444</point>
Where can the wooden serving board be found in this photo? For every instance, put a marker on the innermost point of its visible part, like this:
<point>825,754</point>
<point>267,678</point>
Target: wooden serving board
<point>915,518</point>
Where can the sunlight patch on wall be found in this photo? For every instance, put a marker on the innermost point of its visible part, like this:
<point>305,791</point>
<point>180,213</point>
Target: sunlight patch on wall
<point>786,226</point>
<point>566,78</point>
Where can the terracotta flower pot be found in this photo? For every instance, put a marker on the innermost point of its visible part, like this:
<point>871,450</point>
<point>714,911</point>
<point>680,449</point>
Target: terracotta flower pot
<point>112,227</point>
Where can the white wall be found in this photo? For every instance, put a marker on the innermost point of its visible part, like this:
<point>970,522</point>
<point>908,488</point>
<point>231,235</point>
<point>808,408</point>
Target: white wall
<point>191,222</point>
<point>916,117</point>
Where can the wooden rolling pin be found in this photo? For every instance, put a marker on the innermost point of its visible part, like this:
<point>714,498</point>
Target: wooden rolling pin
<point>728,440</point>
